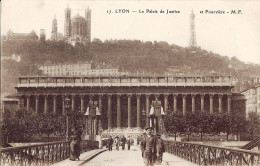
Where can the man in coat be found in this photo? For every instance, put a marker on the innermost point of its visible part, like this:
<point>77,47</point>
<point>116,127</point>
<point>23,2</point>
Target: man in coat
<point>148,147</point>
<point>123,140</point>
<point>110,143</point>
<point>160,148</point>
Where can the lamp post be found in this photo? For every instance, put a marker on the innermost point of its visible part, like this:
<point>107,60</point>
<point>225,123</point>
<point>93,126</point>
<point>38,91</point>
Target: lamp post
<point>67,109</point>
<point>156,114</point>
<point>92,114</point>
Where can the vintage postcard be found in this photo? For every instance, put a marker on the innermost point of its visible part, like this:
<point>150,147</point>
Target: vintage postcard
<point>130,82</point>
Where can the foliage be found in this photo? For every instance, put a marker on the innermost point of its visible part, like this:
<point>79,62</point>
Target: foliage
<point>205,123</point>
<point>21,126</point>
<point>133,56</point>
<point>253,124</point>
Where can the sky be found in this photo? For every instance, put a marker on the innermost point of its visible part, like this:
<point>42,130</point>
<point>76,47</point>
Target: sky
<point>226,34</point>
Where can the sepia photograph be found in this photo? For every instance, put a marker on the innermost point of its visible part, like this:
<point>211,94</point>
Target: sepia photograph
<point>130,83</point>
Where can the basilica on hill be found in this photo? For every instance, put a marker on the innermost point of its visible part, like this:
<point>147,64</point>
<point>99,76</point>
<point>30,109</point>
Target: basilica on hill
<point>77,29</point>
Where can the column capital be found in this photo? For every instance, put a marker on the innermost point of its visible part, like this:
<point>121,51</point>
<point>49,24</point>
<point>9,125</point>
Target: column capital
<point>109,95</point>
<point>193,95</point>
<point>166,95</point>
<point>82,95</point>
<point>118,95</point>
<point>220,95</point>
<point>202,96</point>
<point>138,95</point>
<point>184,95</point>
<point>54,96</point>
<point>211,95</point>
<point>147,96</point>
<point>129,95</point>
<point>175,95</point>
<point>100,95</point>
<point>229,95</point>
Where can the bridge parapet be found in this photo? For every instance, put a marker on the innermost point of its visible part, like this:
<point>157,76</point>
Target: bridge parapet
<point>212,155</point>
<point>43,154</point>
<point>73,81</point>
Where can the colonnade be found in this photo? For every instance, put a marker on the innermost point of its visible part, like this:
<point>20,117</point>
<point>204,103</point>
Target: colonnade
<point>129,105</point>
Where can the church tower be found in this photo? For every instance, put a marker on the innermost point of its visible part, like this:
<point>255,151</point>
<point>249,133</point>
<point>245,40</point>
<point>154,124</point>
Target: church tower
<point>54,32</point>
<point>67,24</point>
<point>88,22</point>
<point>193,42</point>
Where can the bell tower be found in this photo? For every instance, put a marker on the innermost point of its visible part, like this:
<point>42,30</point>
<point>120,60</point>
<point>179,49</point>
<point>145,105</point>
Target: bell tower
<point>88,22</point>
<point>67,24</point>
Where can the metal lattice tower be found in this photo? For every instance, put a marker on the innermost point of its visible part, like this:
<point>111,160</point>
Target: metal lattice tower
<point>193,42</point>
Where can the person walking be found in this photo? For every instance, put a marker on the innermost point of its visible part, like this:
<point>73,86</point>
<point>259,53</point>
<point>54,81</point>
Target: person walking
<point>123,140</point>
<point>160,148</point>
<point>148,147</point>
<point>110,143</point>
<point>117,142</point>
<point>74,148</point>
<point>128,142</point>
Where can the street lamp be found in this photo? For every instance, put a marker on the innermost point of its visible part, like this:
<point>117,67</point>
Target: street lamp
<point>156,114</point>
<point>93,115</point>
<point>67,105</point>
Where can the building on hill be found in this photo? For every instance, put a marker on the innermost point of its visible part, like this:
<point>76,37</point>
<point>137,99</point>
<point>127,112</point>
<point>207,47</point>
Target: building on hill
<point>14,57</point>
<point>252,96</point>
<point>79,69</point>
<point>78,28</point>
<point>21,36</point>
<point>71,69</point>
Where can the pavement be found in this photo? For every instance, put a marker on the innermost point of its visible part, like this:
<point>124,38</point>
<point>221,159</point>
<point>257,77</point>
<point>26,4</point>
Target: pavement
<point>102,157</point>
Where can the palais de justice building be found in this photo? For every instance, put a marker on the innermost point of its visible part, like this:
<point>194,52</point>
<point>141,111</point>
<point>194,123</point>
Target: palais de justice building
<point>125,101</point>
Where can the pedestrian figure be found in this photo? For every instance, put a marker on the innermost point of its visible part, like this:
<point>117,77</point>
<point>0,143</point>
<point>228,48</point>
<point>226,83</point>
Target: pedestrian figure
<point>148,147</point>
<point>117,142</point>
<point>110,143</point>
<point>128,142</point>
<point>74,148</point>
<point>160,148</point>
<point>123,140</point>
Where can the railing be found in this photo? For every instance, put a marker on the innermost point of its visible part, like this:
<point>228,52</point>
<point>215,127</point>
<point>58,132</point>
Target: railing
<point>122,81</point>
<point>43,154</point>
<point>212,155</point>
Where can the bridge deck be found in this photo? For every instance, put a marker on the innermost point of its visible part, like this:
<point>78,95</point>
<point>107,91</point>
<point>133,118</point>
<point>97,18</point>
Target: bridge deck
<point>120,158</point>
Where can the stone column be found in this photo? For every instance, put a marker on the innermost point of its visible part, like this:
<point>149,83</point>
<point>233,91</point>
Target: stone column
<point>118,110</point>
<point>147,110</point>
<point>138,124</point>
<point>129,97</point>
<point>175,103</point>
<point>229,103</point>
<point>55,104</point>
<point>166,103</point>
<point>184,104</point>
<point>28,103</point>
<point>109,98</point>
<point>211,103</point>
<point>37,104</point>
<point>202,101</point>
<point>220,103</point>
<point>63,105</point>
<point>82,103</point>
<point>100,110</point>
<point>73,102</point>
<point>19,102</point>
<point>46,104</point>
<point>193,103</point>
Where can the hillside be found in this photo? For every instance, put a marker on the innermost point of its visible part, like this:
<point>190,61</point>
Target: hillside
<point>133,56</point>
